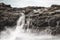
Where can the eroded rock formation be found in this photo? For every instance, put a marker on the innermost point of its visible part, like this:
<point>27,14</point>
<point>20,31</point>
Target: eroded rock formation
<point>39,17</point>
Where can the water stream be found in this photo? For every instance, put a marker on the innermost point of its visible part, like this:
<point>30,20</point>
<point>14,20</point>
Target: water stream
<point>19,33</point>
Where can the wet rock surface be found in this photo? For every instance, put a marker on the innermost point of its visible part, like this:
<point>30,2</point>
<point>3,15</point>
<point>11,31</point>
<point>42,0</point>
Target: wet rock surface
<point>35,17</point>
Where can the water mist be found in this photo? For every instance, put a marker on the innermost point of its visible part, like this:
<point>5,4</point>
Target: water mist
<point>19,34</point>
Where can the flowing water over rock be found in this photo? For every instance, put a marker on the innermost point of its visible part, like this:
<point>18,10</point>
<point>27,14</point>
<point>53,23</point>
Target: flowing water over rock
<point>21,34</point>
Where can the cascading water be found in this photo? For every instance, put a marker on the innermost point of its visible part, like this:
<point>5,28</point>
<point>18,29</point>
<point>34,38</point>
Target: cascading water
<point>20,34</point>
<point>14,33</point>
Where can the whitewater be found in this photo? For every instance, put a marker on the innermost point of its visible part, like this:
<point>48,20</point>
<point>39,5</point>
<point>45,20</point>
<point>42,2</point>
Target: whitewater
<point>20,34</point>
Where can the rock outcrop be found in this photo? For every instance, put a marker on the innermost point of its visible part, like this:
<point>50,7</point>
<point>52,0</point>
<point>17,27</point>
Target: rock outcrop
<point>39,18</point>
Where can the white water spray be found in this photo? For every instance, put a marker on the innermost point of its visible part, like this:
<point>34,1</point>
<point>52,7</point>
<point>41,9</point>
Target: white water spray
<point>14,33</point>
<point>20,34</point>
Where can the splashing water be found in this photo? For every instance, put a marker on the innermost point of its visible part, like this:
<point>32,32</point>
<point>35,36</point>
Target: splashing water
<point>20,34</point>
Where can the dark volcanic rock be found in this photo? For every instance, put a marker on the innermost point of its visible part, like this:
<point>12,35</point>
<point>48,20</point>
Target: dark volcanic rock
<point>35,17</point>
<point>7,16</point>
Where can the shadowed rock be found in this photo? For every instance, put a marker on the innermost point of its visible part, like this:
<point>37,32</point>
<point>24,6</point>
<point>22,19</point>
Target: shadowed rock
<point>38,17</point>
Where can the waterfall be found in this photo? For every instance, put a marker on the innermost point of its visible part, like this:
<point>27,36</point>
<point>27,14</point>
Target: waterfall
<point>19,26</point>
<point>20,34</point>
<point>14,33</point>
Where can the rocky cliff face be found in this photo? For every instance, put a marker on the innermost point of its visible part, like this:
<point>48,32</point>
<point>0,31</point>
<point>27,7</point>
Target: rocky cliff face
<point>40,18</point>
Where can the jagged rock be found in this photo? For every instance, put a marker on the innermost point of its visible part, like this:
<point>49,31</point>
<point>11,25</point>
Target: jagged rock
<point>38,17</point>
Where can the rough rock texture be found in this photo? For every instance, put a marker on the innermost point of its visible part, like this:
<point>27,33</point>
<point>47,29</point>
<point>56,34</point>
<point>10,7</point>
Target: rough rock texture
<point>8,16</point>
<point>38,18</point>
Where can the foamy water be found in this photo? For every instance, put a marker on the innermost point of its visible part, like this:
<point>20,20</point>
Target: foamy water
<point>20,34</point>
